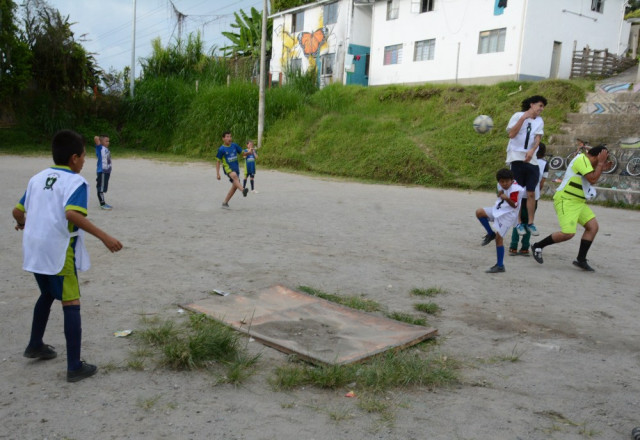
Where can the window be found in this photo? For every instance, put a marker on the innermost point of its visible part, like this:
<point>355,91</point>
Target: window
<point>393,54</point>
<point>424,50</point>
<point>297,22</point>
<point>492,41</point>
<point>426,5</point>
<point>295,65</point>
<point>597,6</point>
<point>393,7</point>
<point>330,13</point>
<point>327,61</point>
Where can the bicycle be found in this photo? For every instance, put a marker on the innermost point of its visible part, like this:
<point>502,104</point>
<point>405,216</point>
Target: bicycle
<point>583,146</point>
<point>633,166</point>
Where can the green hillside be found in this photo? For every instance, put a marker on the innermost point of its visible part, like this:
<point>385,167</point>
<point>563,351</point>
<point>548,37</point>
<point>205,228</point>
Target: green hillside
<point>413,135</point>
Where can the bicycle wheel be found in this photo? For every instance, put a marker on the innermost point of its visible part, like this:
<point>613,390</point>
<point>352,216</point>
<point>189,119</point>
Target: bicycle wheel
<point>611,159</point>
<point>569,158</point>
<point>633,166</point>
<point>556,163</point>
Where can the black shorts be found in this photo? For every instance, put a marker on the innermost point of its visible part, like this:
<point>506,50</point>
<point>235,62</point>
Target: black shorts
<point>103,182</point>
<point>526,175</point>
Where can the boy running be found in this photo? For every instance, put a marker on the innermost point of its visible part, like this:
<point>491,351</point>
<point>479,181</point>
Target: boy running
<point>228,157</point>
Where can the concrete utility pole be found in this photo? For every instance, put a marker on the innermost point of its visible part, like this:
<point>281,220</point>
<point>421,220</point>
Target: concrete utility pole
<point>132,71</point>
<point>263,56</point>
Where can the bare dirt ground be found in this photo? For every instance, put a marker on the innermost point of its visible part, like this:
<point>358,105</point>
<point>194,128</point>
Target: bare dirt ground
<point>575,335</point>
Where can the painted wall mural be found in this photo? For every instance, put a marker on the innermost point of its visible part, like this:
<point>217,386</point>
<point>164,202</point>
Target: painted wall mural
<point>307,44</point>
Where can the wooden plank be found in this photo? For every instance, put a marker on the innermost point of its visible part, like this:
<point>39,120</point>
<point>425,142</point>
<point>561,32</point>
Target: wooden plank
<point>314,329</point>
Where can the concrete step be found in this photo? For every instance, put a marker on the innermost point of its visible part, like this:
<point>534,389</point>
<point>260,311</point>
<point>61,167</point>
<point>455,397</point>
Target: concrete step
<point>603,119</point>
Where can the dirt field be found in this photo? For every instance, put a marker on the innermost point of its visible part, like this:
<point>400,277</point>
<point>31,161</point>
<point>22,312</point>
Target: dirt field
<point>575,334</point>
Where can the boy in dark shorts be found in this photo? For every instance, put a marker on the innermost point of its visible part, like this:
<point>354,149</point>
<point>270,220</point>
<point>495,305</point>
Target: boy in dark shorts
<point>103,169</point>
<point>52,212</point>
<point>250,166</point>
<point>228,157</point>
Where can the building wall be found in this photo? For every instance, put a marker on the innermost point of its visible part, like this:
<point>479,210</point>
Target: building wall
<point>531,26</point>
<point>316,39</point>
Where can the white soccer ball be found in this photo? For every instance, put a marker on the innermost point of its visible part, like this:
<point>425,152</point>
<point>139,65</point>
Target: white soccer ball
<point>483,124</point>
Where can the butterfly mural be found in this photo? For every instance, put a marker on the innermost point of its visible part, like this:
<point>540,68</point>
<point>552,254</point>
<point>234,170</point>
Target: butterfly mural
<point>311,42</point>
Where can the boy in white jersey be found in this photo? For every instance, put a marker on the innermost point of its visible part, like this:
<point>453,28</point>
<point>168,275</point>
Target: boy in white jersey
<point>52,212</point>
<point>503,214</point>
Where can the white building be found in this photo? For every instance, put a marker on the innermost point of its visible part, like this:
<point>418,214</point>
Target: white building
<point>463,41</point>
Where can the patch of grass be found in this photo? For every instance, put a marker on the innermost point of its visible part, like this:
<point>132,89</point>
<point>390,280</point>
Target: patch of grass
<point>430,308</point>
<point>148,403</point>
<point>389,370</point>
<point>355,302</point>
<point>136,364</point>
<point>406,317</point>
<point>431,291</point>
<point>198,343</point>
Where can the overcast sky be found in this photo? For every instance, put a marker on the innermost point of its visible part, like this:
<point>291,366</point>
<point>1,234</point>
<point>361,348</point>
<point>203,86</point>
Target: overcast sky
<point>108,24</point>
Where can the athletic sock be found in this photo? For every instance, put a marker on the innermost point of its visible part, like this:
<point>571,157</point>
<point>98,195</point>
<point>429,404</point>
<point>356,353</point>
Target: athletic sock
<point>101,198</point>
<point>545,242</point>
<point>484,221</point>
<point>244,183</point>
<point>73,335</point>
<point>584,248</point>
<point>40,319</point>
<point>500,252</point>
<point>252,185</point>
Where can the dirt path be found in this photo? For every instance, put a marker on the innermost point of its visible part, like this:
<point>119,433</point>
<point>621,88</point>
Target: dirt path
<point>575,334</point>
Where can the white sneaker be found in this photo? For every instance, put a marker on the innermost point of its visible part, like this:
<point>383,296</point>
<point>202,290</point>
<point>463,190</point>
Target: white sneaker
<point>254,191</point>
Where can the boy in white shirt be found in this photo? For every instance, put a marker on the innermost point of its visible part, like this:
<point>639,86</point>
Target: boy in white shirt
<point>503,214</point>
<point>52,212</point>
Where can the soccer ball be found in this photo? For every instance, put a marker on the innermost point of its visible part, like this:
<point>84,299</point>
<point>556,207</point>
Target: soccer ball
<point>483,124</point>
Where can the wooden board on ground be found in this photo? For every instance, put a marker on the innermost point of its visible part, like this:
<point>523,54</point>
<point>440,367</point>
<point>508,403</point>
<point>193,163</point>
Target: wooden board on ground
<point>312,328</point>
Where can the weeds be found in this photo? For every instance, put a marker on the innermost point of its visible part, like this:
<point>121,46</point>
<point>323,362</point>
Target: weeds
<point>431,291</point>
<point>405,317</point>
<point>200,343</point>
<point>355,302</point>
<point>429,308</point>
<point>390,370</point>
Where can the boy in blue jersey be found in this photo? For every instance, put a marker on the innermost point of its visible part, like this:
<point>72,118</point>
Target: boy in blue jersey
<point>103,168</point>
<point>250,165</point>
<point>52,213</point>
<point>228,157</point>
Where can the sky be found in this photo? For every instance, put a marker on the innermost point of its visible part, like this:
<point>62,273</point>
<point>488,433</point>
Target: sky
<point>108,25</point>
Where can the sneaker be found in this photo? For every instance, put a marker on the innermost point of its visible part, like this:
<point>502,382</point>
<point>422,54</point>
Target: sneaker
<point>225,205</point>
<point>44,352</point>
<point>521,229</point>
<point>532,229</point>
<point>86,370</point>
<point>495,269</point>
<point>513,252</point>
<point>583,265</point>
<point>537,254</point>
<point>254,191</point>
<point>524,252</point>
<point>106,207</point>
<point>245,191</point>
<point>488,239</point>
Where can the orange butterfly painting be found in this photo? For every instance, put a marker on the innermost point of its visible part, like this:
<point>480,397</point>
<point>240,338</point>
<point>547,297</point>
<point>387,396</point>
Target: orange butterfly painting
<point>311,42</point>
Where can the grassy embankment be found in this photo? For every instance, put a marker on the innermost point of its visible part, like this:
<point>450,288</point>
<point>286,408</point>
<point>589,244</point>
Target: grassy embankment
<point>410,135</point>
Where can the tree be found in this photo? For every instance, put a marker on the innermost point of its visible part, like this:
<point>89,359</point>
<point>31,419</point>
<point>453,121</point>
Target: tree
<point>246,42</point>
<point>15,57</point>
<point>63,65</point>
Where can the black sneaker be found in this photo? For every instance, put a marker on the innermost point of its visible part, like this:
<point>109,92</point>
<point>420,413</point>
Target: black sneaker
<point>495,269</point>
<point>583,265</point>
<point>86,370</point>
<point>44,352</point>
<point>245,191</point>
<point>488,239</point>
<point>537,253</point>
